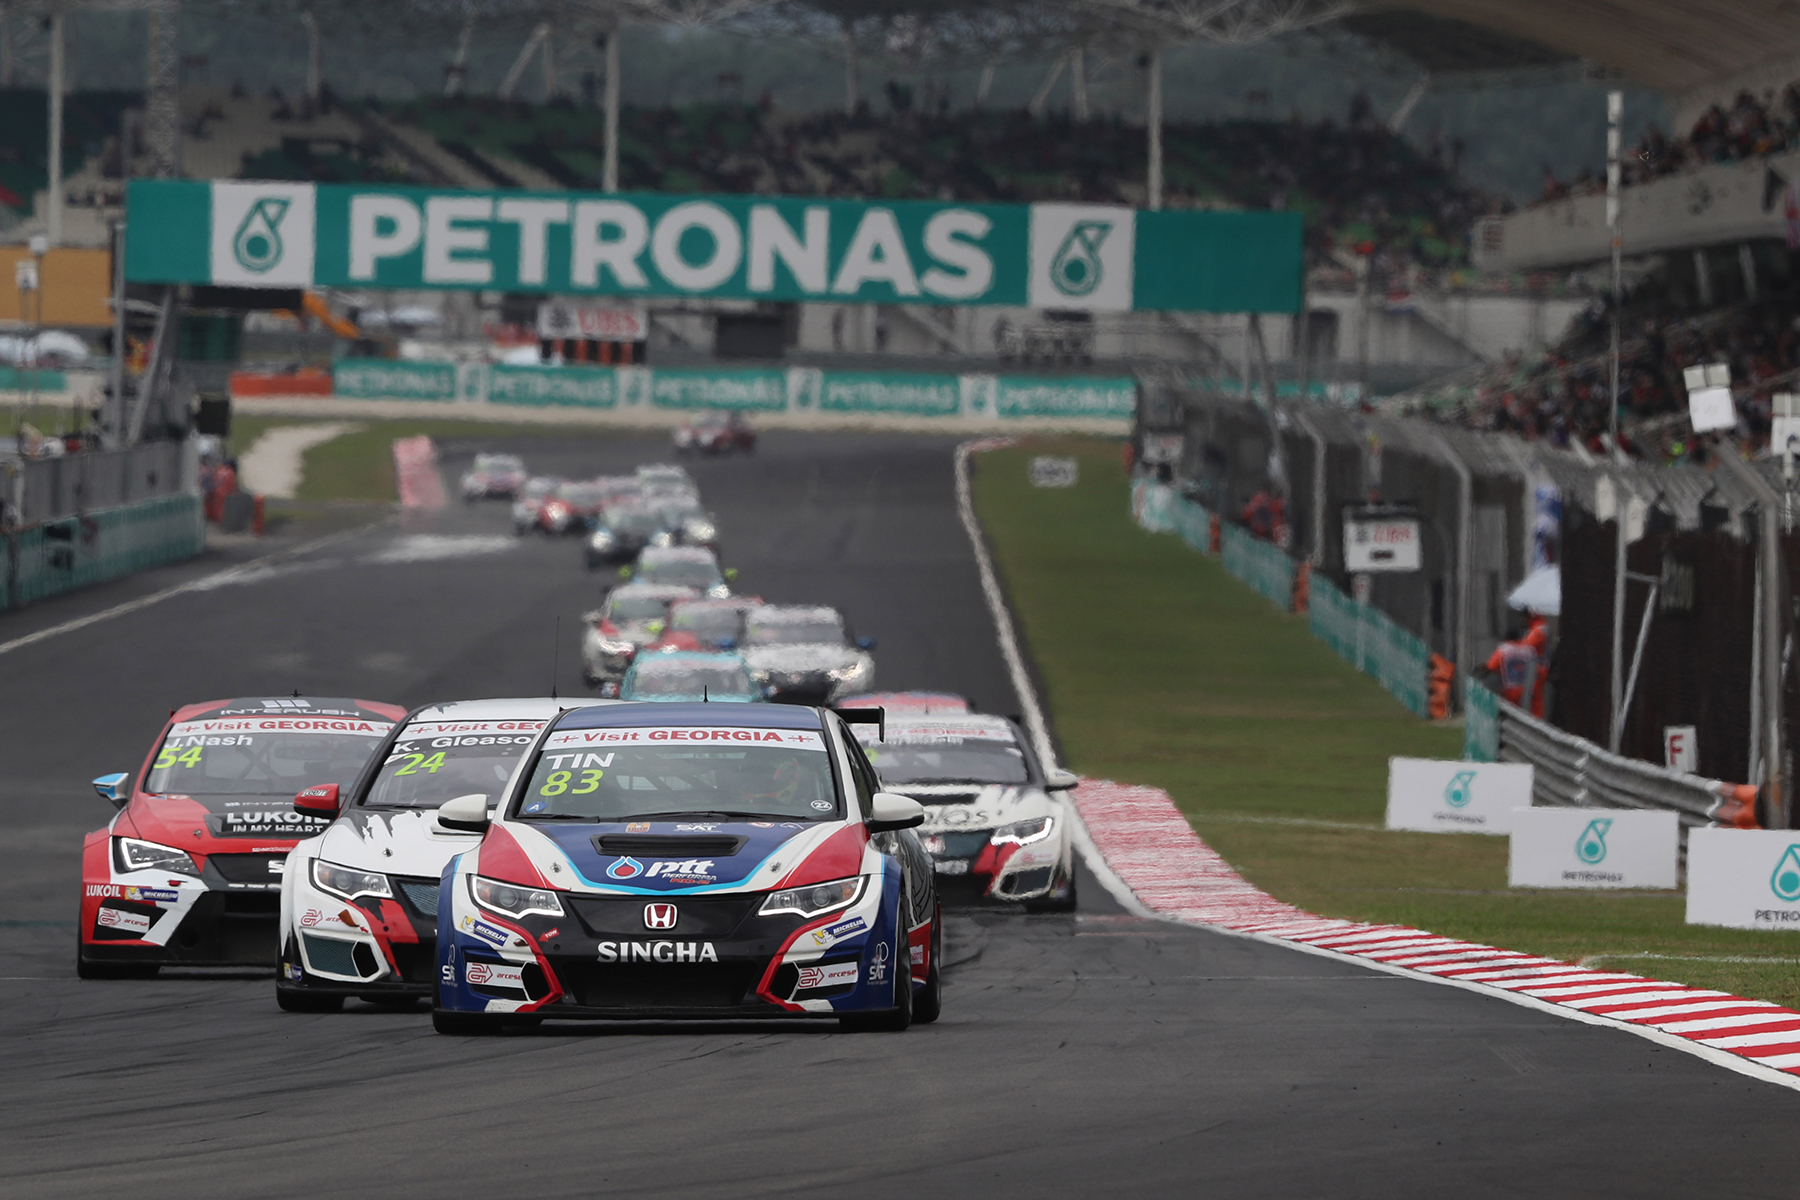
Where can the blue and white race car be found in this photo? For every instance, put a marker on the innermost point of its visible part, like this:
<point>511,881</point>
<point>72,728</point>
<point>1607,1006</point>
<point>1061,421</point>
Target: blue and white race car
<point>690,860</point>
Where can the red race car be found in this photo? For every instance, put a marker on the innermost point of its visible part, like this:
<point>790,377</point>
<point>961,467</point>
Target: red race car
<point>715,433</point>
<point>189,871</point>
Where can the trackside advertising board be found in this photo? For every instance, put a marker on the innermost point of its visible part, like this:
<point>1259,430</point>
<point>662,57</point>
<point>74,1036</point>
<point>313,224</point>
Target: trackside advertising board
<point>1100,258</point>
<point>1744,878</point>
<point>1593,848</point>
<point>1455,797</point>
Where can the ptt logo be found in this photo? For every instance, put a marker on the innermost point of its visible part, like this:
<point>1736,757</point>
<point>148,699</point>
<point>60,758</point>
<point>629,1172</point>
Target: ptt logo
<point>1460,790</point>
<point>625,868</point>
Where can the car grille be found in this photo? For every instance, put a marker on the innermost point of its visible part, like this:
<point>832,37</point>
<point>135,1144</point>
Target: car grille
<point>658,985</point>
<point>1027,881</point>
<point>417,960</point>
<point>247,868</point>
<point>325,954</point>
<point>962,845</point>
<point>421,894</point>
<point>709,919</point>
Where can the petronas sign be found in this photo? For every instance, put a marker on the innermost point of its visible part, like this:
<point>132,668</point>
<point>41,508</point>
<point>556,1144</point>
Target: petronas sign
<point>1098,258</point>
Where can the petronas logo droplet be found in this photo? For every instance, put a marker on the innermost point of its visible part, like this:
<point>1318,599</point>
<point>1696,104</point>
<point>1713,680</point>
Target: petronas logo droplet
<point>1460,790</point>
<point>257,243</point>
<point>1785,882</point>
<point>1590,847</point>
<point>1076,268</point>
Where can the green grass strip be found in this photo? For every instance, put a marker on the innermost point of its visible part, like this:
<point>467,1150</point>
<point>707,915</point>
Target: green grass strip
<point>1159,668</point>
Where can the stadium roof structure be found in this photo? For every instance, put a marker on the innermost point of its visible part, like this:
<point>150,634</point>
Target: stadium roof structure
<point>1671,46</point>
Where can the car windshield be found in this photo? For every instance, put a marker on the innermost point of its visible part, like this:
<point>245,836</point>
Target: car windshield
<point>583,495</point>
<point>790,633</point>
<point>434,761</point>
<point>915,757</point>
<point>688,679</point>
<point>705,621</point>
<point>635,773</point>
<point>680,573</point>
<point>635,608</point>
<point>495,464</point>
<point>257,756</point>
<point>537,489</point>
<point>633,520</point>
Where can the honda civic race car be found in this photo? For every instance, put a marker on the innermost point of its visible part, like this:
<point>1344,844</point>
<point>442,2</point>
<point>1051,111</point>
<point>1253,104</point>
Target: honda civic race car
<point>189,869</point>
<point>799,654</point>
<point>493,475</point>
<point>686,861</point>
<point>633,616</point>
<point>359,901</point>
<point>688,675</point>
<point>993,827</point>
<point>683,566</point>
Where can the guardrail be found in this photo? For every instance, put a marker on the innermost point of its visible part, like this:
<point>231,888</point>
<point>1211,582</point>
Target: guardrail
<point>1569,771</point>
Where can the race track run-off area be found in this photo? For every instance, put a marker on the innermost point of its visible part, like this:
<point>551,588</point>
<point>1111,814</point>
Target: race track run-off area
<point>1106,1051</point>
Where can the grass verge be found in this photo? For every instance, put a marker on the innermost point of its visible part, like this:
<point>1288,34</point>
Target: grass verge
<point>1161,669</point>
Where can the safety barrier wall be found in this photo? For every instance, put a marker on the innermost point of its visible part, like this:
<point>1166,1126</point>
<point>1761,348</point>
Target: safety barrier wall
<point>759,389</point>
<point>59,556</point>
<point>1571,771</point>
<point>48,489</point>
<point>1363,636</point>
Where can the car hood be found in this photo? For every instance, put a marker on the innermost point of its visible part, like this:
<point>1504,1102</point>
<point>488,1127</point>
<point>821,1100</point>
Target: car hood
<point>953,807</point>
<point>679,858</point>
<point>393,842</point>
<point>225,824</point>
<point>802,656</point>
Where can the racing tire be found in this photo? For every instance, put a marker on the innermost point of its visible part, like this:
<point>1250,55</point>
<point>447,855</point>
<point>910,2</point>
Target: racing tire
<point>295,1000</point>
<point>1053,903</point>
<point>928,1001</point>
<point>461,1024</point>
<point>87,968</point>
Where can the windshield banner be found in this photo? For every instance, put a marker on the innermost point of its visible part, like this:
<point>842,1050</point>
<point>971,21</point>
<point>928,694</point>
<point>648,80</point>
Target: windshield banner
<point>347,725</point>
<point>1092,257</point>
<point>792,739</point>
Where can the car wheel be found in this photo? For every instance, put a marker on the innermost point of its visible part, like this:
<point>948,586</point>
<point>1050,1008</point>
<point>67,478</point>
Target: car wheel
<point>1061,898</point>
<point>297,1001</point>
<point>461,1024</point>
<point>928,1002</point>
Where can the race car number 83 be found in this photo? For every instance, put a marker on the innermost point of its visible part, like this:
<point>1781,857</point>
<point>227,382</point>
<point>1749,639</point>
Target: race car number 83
<point>558,783</point>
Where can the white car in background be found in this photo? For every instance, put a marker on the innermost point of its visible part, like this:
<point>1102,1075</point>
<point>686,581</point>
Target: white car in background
<point>994,825</point>
<point>359,902</point>
<point>800,654</point>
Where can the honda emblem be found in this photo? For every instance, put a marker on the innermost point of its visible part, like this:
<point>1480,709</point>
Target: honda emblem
<point>659,916</point>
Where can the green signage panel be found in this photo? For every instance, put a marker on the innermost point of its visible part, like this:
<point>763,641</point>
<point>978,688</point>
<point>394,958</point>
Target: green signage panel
<point>891,392</point>
<point>1099,258</point>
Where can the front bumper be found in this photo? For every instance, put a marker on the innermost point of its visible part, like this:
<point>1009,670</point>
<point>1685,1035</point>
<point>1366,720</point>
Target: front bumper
<point>721,961</point>
<point>226,917</point>
<point>365,947</point>
<point>971,869</point>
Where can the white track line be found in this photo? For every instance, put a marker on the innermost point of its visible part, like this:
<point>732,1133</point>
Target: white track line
<point>204,583</point>
<point>1108,878</point>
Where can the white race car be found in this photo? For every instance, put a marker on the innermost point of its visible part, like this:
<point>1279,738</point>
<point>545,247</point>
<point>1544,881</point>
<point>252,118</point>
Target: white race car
<point>993,825</point>
<point>359,901</point>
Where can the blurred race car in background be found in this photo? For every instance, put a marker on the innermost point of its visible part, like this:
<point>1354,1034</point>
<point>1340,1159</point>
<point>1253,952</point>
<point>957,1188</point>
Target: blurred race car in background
<point>799,654</point>
<point>621,531</point>
<point>705,624</point>
<point>993,826</point>
<point>633,615</point>
<point>688,675</point>
<point>359,901</point>
<point>493,475</point>
<point>909,703</point>
<point>682,566</point>
<point>682,861</point>
<point>685,523</point>
<point>715,433</point>
<point>188,870</point>
<point>529,501</point>
<point>572,507</point>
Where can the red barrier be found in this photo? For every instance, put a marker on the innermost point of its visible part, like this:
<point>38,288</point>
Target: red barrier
<point>308,381</point>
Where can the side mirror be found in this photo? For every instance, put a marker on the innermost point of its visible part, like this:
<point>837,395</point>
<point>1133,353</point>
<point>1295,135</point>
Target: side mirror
<point>865,643</point>
<point>1058,780</point>
<point>466,814</point>
<point>726,643</point>
<point>889,811</point>
<point>593,616</point>
<point>731,572</point>
<point>319,801</point>
<point>115,788</point>
<point>624,572</point>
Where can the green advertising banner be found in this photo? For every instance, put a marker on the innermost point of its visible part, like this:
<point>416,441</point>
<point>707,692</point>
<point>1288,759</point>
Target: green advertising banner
<point>584,387</point>
<point>1074,396</point>
<point>702,387</point>
<point>895,392</point>
<point>1093,257</point>
<point>393,379</point>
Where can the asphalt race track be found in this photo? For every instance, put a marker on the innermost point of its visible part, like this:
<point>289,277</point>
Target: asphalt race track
<point>1090,1055</point>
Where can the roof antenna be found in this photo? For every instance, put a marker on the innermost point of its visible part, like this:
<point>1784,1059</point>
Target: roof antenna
<point>555,651</point>
<point>704,698</point>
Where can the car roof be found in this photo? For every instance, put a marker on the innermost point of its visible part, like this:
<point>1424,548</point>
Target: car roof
<point>652,712</point>
<point>692,658</point>
<point>676,554</point>
<point>777,614</point>
<point>291,706</point>
<point>512,708</point>
<point>738,603</point>
<point>656,591</point>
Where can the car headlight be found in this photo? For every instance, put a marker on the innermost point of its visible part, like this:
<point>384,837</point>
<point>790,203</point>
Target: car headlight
<point>601,540</point>
<point>615,646</point>
<point>132,855</point>
<point>815,898</point>
<point>760,675</point>
<point>1022,832</point>
<point>662,537</point>
<point>349,882</point>
<point>700,531</point>
<point>511,900</point>
<point>848,671</point>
